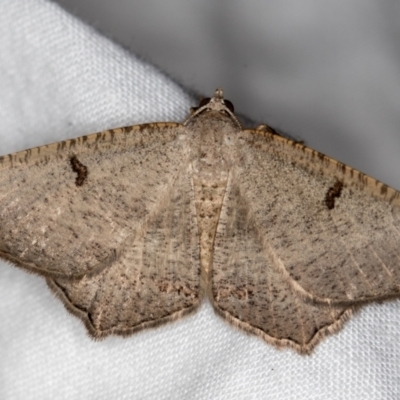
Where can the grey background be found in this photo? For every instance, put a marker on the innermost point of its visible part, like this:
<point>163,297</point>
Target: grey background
<point>325,72</point>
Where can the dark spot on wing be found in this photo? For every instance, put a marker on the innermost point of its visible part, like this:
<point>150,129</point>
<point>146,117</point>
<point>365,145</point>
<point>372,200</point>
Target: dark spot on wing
<point>332,193</point>
<point>80,169</point>
<point>384,189</point>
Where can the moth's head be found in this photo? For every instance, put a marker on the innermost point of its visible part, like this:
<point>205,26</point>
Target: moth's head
<point>216,103</point>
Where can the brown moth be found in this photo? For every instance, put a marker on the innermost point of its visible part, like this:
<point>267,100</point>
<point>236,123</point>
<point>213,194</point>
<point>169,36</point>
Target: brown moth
<point>133,227</point>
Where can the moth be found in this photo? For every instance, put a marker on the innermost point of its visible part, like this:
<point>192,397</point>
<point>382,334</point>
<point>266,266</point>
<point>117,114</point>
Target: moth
<point>134,227</point>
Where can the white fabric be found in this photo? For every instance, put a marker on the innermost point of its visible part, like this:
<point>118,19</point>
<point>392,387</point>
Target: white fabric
<point>60,79</point>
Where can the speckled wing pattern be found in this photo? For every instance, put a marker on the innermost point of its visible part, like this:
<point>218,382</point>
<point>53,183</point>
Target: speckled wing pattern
<point>295,252</point>
<point>133,227</point>
<point>112,246</point>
